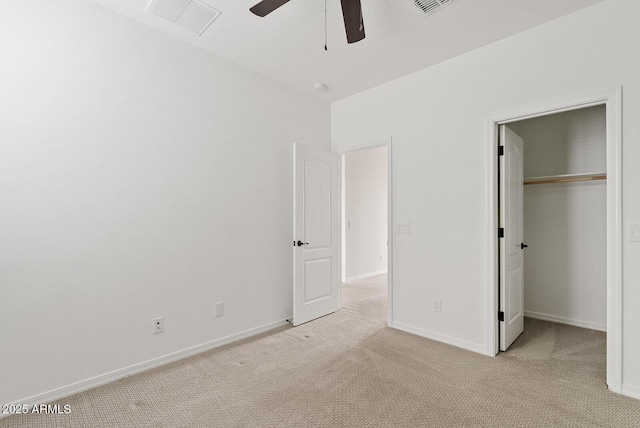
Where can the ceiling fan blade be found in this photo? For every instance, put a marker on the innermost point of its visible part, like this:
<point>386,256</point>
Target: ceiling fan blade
<point>353,22</point>
<point>265,7</point>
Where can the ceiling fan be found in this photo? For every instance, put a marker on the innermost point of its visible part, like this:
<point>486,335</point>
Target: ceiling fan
<point>351,12</point>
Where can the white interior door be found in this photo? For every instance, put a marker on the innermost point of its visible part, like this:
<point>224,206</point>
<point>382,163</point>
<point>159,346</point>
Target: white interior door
<point>316,228</point>
<point>511,250</point>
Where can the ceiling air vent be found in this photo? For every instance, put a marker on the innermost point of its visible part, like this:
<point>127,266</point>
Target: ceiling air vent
<point>192,15</point>
<point>430,6</point>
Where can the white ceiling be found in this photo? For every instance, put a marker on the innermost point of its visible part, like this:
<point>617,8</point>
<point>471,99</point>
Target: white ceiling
<point>288,44</point>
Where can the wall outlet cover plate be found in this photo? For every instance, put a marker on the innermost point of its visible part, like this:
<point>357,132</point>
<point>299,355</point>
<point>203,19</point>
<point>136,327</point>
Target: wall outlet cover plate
<point>401,227</point>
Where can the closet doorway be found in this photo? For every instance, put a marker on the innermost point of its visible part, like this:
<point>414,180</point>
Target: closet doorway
<point>553,203</point>
<point>561,187</point>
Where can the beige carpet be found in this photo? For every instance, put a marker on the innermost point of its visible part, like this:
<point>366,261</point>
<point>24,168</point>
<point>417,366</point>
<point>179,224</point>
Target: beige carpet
<point>349,370</point>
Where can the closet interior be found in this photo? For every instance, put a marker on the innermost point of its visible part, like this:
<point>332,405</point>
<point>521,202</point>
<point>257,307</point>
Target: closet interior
<point>565,217</point>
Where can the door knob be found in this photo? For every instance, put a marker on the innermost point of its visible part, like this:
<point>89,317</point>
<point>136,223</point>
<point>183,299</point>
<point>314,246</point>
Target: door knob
<point>522,246</point>
<point>300,243</point>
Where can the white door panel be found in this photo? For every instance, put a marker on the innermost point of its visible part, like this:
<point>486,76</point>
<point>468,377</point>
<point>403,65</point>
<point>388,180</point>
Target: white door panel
<point>511,219</point>
<point>317,206</point>
<point>316,252</point>
<point>513,311</point>
<point>317,280</point>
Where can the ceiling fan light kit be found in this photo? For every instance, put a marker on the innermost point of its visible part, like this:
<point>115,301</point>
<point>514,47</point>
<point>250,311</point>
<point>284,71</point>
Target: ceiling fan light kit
<point>351,13</point>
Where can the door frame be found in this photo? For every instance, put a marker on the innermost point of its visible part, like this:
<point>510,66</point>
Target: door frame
<point>354,148</point>
<point>612,100</point>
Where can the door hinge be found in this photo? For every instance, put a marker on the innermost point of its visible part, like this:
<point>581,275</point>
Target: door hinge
<point>500,316</point>
<point>501,232</point>
<point>500,150</point>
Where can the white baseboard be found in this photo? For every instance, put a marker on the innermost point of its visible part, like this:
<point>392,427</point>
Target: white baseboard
<point>568,321</point>
<point>84,385</point>
<point>469,346</point>
<point>365,275</point>
<point>631,391</point>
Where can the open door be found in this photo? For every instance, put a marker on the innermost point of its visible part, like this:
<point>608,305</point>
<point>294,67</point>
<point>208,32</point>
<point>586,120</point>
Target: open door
<point>511,247</point>
<point>316,228</point>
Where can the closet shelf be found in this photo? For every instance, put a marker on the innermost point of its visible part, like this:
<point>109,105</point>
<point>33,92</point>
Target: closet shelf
<point>566,178</point>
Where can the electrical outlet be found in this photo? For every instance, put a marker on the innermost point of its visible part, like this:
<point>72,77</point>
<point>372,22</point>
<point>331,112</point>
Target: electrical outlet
<point>437,305</point>
<point>218,309</point>
<point>158,325</point>
<point>399,227</point>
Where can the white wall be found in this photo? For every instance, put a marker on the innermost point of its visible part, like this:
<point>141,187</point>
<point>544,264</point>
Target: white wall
<point>366,212</point>
<point>573,142</point>
<point>139,177</point>
<point>438,121</point>
<point>565,266</point>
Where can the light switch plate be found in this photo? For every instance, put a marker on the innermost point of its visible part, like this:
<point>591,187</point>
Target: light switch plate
<point>401,227</point>
<point>634,233</point>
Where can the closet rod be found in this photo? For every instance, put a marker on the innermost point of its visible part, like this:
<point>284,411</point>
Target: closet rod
<point>565,178</point>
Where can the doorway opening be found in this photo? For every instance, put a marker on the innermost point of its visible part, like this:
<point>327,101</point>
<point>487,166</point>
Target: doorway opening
<point>319,237</point>
<point>565,217</point>
<point>366,247</point>
<point>558,194</point>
